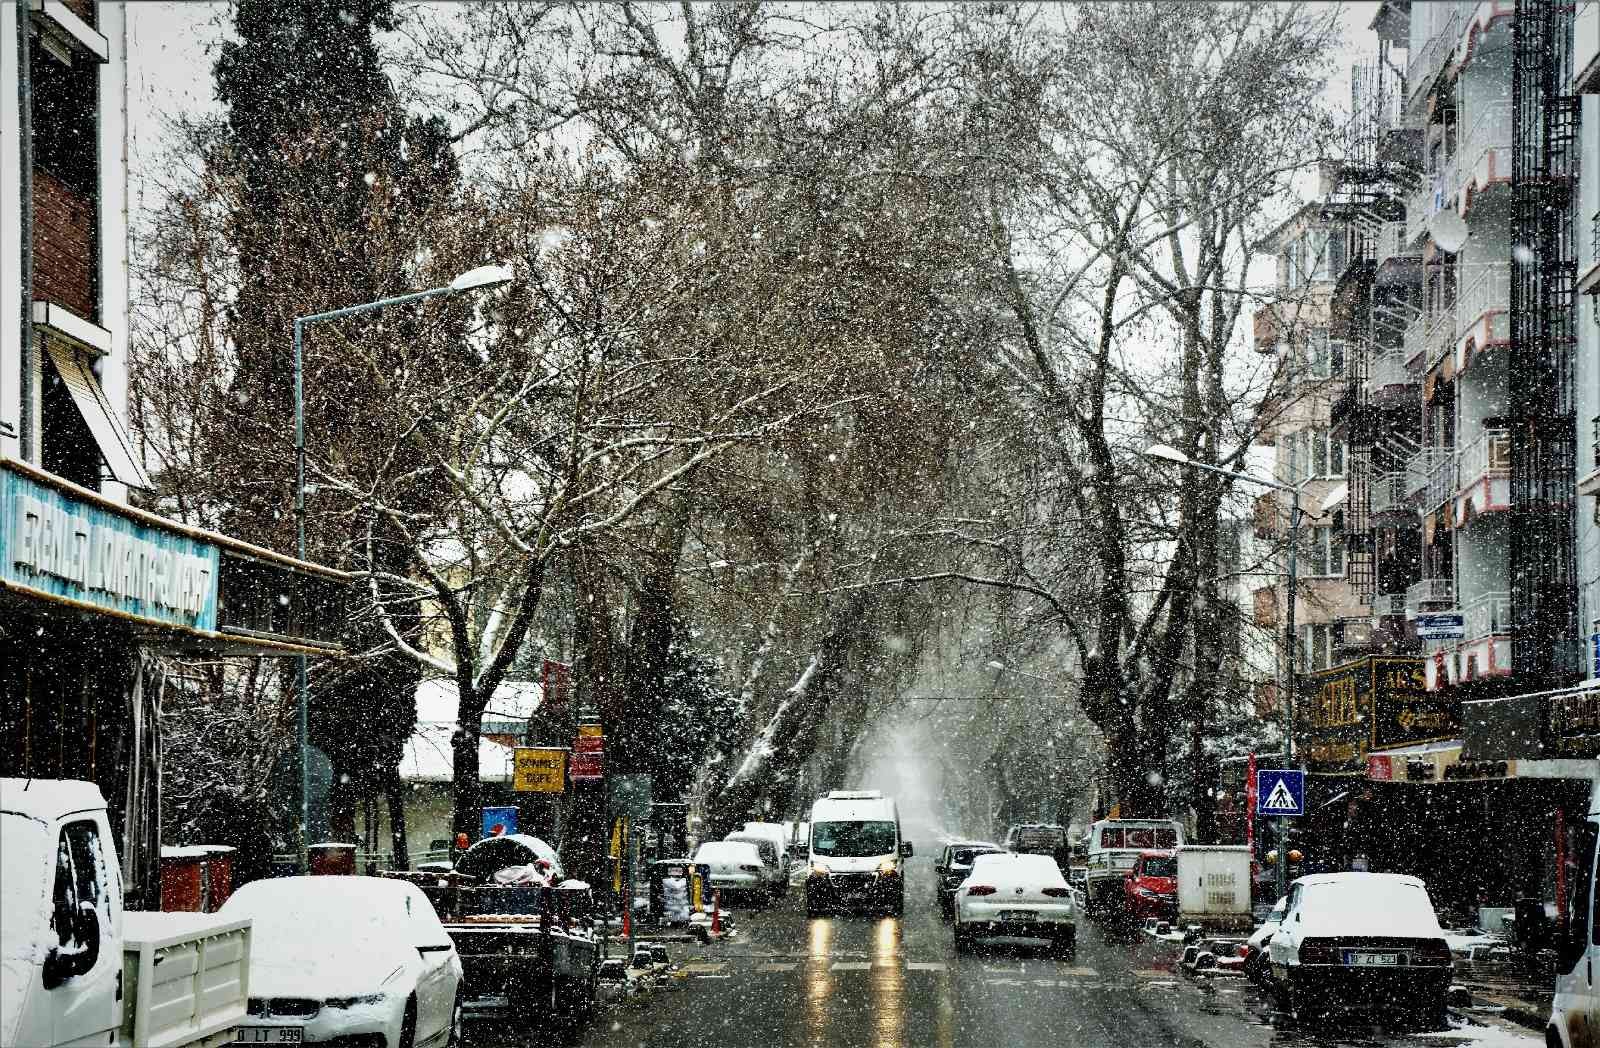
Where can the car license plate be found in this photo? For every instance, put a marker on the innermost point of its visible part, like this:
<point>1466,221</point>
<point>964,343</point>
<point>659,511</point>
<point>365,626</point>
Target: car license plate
<point>1363,959</point>
<point>268,1035</point>
<point>1017,915</point>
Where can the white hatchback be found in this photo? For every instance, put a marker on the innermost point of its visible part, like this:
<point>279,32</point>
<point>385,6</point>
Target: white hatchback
<point>1010,896</point>
<point>347,959</point>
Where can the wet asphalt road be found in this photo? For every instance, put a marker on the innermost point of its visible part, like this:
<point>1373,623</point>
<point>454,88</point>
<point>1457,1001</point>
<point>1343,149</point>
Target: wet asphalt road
<point>885,983</point>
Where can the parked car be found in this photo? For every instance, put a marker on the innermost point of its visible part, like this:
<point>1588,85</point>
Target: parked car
<point>75,968</point>
<point>951,868</point>
<point>1367,941</point>
<point>736,869</point>
<point>341,958</point>
<point>1151,888</point>
<point>1255,958</point>
<point>1011,896</point>
<point>769,833</point>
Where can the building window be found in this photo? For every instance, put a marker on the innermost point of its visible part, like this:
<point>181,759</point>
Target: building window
<point>1316,647</point>
<point>1313,454</point>
<point>1324,551</point>
<point>1324,356</point>
<point>65,103</point>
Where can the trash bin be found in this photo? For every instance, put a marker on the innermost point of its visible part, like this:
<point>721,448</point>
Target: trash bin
<point>219,875</point>
<point>332,859</point>
<point>183,879</point>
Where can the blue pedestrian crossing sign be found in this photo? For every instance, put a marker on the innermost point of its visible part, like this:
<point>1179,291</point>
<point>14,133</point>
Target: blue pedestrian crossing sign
<point>1280,791</point>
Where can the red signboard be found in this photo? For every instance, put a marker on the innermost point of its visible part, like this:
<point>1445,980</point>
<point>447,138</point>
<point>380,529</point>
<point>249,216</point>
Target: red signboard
<point>587,766</point>
<point>1380,769</point>
<point>589,744</point>
<point>557,685</point>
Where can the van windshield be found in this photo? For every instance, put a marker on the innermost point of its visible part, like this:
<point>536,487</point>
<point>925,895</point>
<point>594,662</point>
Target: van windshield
<point>853,839</point>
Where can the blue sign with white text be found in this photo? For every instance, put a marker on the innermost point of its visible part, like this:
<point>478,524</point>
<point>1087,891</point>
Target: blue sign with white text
<point>1280,791</point>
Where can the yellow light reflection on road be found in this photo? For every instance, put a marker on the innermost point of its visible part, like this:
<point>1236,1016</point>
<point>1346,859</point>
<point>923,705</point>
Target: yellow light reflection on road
<point>819,981</point>
<point>888,986</point>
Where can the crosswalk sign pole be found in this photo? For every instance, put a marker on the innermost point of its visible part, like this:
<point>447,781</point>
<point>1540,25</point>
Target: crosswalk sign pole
<point>1287,705</point>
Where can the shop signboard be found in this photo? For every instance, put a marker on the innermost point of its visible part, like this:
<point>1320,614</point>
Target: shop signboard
<point>588,767</point>
<point>539,769</point>
<point>1572,723</point>
<point>1404,712</point>
<point>1443,625</point>
<point>67,548</point>
<point>1332,717</point>
<point>557,681</point>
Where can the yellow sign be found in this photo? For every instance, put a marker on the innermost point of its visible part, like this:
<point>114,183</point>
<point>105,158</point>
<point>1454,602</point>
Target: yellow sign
<point>591,731</point>
<point>539,769</point>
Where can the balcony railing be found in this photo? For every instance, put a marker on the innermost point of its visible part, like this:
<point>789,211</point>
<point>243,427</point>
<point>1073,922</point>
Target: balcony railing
<point>1490,132</point>
<point>1392,242</point>
<point>1441,337</point>
<point>1427,60</point>
<point>1430,591</point>
<point>1489,452</point>
<point>1431,477</point>
<point>1389,605</point>
<point>1487,290</point>
<point>1414,342</point>
<point>1388,368</point>
<point>1419,209</point>
<point>1388,494</point>
<point>1487,615</point>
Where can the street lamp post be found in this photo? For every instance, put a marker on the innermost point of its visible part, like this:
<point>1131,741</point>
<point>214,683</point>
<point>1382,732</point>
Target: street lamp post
<point>1286,706</point>
<point>472,280</point>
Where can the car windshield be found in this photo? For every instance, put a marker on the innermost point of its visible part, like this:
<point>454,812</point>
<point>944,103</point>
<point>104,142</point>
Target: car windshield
<point>1164,867</point>
<point>857,838</point>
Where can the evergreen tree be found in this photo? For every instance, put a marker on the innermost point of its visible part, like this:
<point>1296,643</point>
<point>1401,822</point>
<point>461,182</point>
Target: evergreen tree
<point>333,188</point>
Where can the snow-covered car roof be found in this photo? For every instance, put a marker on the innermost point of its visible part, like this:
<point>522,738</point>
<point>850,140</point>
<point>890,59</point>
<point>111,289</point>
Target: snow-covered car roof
<point>49,798</point>
<point>1007,868</point>
<point>1334,904</point>
<point>728,849</point>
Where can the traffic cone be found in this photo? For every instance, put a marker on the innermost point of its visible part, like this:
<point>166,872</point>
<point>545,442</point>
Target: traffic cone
<point>716,912</point>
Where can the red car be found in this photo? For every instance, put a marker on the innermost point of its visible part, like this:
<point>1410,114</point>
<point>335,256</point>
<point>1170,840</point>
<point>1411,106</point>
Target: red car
<point>1151,887</point>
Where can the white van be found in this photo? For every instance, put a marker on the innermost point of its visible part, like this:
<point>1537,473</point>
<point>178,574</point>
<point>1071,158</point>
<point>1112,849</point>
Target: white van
<point>1575,1012</point>
<point>856,854</point>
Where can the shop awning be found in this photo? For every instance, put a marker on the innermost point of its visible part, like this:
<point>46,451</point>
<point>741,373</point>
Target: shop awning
<point>116,447</point>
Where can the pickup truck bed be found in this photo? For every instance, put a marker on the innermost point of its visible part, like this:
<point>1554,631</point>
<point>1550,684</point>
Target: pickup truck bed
<point>185,978</point>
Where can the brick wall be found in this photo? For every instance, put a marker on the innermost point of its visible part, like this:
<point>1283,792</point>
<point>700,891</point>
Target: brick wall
<point>64,248</point>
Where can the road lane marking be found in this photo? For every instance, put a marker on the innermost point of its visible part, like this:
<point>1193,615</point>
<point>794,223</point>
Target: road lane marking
<point>705,967</point>
<point>1086,973</point>
<point>787,966</point>
<point>1152,973</point>
<point>926,966</point>
<point>851,966</point>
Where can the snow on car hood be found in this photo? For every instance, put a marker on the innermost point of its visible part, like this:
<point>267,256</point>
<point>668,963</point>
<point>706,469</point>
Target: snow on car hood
<point>320,974</point>
<point>1365,904</point>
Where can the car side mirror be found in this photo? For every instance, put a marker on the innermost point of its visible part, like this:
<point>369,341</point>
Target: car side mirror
<point>906,850</point>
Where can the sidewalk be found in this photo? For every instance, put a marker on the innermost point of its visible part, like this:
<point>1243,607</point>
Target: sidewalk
<point>1517,991</point>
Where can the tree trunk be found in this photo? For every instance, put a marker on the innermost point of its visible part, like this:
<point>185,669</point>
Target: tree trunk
<point>395,792</point>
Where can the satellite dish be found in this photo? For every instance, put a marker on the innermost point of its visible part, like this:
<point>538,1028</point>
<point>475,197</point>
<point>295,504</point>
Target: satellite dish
<point>1449,230</point>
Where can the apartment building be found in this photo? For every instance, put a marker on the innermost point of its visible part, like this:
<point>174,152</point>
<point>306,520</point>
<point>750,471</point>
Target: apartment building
<point>1468,364</point>
<point>94,588</point>
<point>1311,361</point>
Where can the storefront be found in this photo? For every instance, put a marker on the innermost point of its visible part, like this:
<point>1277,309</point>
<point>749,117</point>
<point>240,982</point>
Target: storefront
<point>92,594</point>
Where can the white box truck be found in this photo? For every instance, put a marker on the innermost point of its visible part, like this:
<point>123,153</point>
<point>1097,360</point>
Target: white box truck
<point>77,969</point>
<point>1214,886</point>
